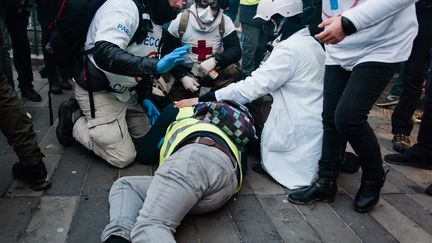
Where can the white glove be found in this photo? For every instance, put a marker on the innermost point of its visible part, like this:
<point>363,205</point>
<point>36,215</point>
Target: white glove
<point>207,66</point>
<point>190,83</point>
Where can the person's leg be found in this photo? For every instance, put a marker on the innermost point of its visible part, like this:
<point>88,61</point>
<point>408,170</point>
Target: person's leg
<point>17,27</point>
<point>415,69</point>
<point>196,177</point>
<point>250,37</point>
<point>107,134</point>
<point>137,120</point>
<point>233,9</point>
<point>334,144</point>
<point>397,87</point>
<point>18,129</point>
<point>365,85</point>
<point>260,47</point>
<point>7,67</point>
<point>126,198</point>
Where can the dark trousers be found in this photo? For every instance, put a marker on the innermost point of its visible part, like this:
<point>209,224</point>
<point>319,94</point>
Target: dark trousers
<point>16,24</point>
<point>348,98</point>
<point>414,72</point>
<point>422,150</point>
<point>47,11</point>
<point>17,126</point>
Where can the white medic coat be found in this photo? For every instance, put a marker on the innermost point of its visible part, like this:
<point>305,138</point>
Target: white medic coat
<point>292,135</point>
<point>116,21</point>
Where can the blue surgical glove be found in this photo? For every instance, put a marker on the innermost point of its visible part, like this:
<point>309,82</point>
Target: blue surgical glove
<point>151,111</point>
<point>170,60</point>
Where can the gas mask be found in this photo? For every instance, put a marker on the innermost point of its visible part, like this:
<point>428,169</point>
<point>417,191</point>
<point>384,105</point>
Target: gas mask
<point>205,15</point>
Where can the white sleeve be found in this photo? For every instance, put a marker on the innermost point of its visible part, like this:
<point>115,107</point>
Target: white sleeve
<point>373,11</point>
<point>117,22</point>
<point>174,25</point>
<point>275,72</point>
<point>229,25</point>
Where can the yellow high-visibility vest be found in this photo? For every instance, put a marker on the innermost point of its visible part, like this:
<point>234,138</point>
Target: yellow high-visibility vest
<point>186,125</point>
<point>249,2</point>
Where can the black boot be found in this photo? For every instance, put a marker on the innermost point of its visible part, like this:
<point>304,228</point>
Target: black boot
<point>35,175</point>
<point>66,121</point>
<point>368,194</point>
<point>324,189</point>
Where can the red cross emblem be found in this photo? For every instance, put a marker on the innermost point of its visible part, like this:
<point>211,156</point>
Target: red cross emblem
<point>202,51</point>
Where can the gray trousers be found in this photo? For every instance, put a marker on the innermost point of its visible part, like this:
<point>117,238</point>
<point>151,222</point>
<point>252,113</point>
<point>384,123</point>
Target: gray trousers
<point>195,179</point>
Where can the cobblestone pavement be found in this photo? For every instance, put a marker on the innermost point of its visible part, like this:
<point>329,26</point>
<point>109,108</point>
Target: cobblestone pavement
<point>75,209</point>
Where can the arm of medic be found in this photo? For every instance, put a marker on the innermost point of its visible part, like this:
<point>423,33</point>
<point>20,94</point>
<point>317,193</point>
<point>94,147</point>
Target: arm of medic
<point>361,17</point>
<point>147,147</point>
<point>110,57</point>
<point>270,76</point>
<point>231,54</point>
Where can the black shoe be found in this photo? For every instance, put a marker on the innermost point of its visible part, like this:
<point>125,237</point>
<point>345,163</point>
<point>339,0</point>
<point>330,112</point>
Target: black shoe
<point>429,190</point>
<point>30,94</point>
<point>64,83</point>
<point>35,175</point>
<point>401,142</point>
<point>65,125</point>
<point>401,159</point>
<point>324,189</point>
<point>350,164</point>
<point>368,194</point>
<point>56,88</point>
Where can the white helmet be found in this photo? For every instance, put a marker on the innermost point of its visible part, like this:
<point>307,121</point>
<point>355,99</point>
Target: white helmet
<point>287,8</point>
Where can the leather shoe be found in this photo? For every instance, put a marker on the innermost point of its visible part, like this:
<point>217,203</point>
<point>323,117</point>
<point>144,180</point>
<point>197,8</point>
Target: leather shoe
<point>368,194</point>
<point>324,189</point>
<point>35,175</point>
<point>401,159</point>
<point>30,94</point>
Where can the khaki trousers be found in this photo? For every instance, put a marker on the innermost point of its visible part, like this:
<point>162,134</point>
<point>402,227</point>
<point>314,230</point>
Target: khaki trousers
<point>110,134</point>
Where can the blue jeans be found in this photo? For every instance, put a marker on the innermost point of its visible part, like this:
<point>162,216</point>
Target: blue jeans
<point>195,179</point>
<point>348,98</point>
<point>253,48</point>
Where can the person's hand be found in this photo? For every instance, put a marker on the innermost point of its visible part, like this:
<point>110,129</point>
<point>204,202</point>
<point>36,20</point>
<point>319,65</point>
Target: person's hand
<point>333,32</point>
<point>190,83</point>
<point>207,66</point>
<point>171,59</point>
<point>186,102</point>
<point>151,111</point>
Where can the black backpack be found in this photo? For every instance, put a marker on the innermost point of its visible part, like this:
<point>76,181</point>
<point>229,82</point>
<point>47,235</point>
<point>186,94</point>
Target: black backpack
<point>69,31</point>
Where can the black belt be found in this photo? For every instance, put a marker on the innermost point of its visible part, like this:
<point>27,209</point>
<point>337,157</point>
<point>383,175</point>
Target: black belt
<point>210,142</point>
